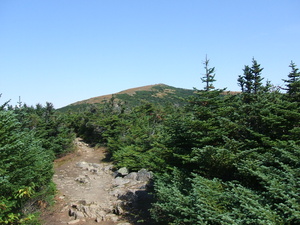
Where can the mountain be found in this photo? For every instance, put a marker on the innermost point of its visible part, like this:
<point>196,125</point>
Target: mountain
<point>158,94</point>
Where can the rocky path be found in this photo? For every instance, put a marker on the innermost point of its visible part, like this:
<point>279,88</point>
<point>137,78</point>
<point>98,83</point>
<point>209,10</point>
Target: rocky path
<point>88,193</point>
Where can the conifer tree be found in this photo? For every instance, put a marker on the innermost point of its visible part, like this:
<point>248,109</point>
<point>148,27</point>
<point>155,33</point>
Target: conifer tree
<point>250,81</point>
<point>293,83</point>
<point>248,78</point>
<point>25,169</point>
<point>209,76</point>
<point>256,74</point>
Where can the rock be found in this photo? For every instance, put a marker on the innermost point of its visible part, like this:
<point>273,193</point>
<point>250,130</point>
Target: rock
<point>98,219</point>
<point>82,179</point>
<point>95,165</point>
<point>144,175</point>
<point>131,176</point>
<point>61,197</point>
<point>79,215</point>
<point>118,210</point>
<point>123,171</point>
<point>82,164</point>
<point>71,212</point>
<point>107,168</point>
<point>74,222</point>
<point>93,170</point>
<point>82,202</point>
<point>112,217</point>
<point>118,181</point>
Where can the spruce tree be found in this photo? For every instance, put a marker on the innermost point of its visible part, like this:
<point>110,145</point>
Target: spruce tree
<point>250,81</point>
<point>25,169</point>
<point>256,74</point>
<point>209,76</point>
<point>293,83</point>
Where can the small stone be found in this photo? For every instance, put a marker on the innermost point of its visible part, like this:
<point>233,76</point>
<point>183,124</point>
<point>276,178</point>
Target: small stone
<point>82,179</point>
<point>82,164</point>
<point>98,219</point>
<point>74,221</point>
<point>79,215</point>
<point>112,217</point>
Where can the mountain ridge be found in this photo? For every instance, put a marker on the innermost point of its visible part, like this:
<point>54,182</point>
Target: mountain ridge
<point>156,93</point>
<point>130,91</point>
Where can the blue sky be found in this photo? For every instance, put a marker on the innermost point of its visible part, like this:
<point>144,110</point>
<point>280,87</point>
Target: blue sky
<point>63,51</point>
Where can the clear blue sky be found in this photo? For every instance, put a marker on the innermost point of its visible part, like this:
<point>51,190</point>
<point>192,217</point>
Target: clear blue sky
<point>63,51</point>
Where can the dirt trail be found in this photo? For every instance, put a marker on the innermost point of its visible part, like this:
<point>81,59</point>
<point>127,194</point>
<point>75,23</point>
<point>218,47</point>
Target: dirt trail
<point>79,186</point>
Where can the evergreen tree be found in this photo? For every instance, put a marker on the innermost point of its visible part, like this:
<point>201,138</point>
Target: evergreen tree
<point>209,76</point>
<point>293,83</point>
<point>25,169</point>
<point>256,74</point>
<point>250,81</point>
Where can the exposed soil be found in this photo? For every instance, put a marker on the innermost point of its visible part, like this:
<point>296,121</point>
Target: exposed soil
<point>96,191</point>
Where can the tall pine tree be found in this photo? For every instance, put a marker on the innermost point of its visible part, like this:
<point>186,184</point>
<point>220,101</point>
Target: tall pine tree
<point>209,76</point>
<point>293,83</point>
<point>256,74</point>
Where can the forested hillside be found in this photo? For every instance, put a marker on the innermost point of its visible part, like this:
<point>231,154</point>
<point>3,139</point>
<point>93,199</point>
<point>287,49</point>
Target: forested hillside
<point>157,94</point>
<point>217,159</point>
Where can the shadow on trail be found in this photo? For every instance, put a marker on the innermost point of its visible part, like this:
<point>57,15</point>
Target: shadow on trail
<point>136,206</point>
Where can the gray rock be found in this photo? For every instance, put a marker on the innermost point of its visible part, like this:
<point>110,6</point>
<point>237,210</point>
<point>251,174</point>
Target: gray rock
<point>74,222</point>
<point>144,175</point>
<point>131,176</point>
<point>112,217</point>
<point>95,165</point>
<point>118,210</point>
<point>82,164</point>
<point>107,168</point>
<point>123,171</point>
<point>79,215</point>
<point>82,179</point>
<point>118,181</point>
<point>98,220</point>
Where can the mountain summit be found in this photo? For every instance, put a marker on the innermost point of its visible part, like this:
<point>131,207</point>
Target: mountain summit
<point>157,93</point>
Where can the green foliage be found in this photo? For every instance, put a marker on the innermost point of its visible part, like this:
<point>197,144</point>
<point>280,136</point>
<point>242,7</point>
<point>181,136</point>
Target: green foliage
<point>209,76</point>
<point>25,169</point>
<point>239,160</point>
<point>49,126</point>
<point>250,81</point>
<point>162,95</point>
<point>219,159</point>
<point>293,83</point>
